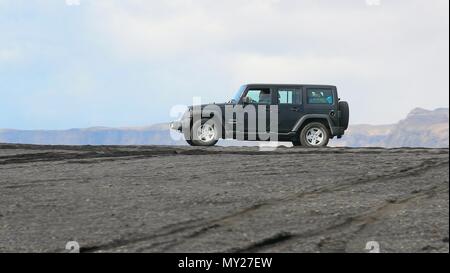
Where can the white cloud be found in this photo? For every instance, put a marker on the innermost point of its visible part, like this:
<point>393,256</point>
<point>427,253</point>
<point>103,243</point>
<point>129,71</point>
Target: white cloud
<point>10,55</point>
<point>136,51</point>
<point>396,49</point>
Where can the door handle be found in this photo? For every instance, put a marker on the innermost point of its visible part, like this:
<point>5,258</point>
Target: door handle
<point>296,109</point>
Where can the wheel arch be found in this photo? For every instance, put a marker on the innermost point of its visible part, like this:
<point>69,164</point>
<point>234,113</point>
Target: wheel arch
<point>213,115</point>
<point>305,120</point>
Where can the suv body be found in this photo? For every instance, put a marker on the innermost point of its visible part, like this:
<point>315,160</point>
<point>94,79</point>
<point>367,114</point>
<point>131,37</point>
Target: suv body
<point>308,115</point>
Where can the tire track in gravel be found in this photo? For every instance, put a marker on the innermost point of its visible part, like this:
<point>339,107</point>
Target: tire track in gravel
<point>191,229</point>
<point>359,222</point>
<point>199,226</point>
<point>404,172</point>
<point>107,153</point>
<point>37,183</point>
<point>284,236</point>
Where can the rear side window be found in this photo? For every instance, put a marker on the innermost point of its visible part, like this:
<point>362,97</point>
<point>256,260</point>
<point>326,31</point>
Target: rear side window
<point>289,96</point>
<point>320,96</point>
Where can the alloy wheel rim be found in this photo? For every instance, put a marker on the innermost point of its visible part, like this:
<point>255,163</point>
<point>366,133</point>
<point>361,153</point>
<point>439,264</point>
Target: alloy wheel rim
<point>206,133</point>
<point>315,136</point>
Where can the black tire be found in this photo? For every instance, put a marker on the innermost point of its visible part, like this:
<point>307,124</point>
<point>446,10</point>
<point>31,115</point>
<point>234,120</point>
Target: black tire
<point>190,142</point>
<point>188,137</point>
<point>197,140</point>
<point>345,114</point>
<point>307,139</point>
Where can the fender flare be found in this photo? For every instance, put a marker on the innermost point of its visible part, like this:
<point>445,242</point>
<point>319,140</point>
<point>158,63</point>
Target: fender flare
<point>217,115</point>
<point>303,119</point>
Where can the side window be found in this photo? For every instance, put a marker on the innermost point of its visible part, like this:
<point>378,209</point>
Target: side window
<point>320,96</point>
<point>260,96</point>
<point>289,96</point>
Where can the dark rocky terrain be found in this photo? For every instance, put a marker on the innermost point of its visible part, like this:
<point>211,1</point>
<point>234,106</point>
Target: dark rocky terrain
<point>176,199</point>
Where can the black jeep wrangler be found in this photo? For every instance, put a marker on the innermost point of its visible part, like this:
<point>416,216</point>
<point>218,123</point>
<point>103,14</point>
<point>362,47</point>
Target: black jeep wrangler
<point>306,115</point>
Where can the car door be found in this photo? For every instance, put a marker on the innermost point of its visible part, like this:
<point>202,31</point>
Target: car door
<point>290,106</point>
<point>259,98</point>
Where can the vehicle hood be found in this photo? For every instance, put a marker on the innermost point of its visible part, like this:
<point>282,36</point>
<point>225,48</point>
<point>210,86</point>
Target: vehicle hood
<point>204,105</point>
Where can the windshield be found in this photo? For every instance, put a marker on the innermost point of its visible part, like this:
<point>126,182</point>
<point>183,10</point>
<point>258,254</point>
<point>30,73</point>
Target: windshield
<point>238,94</point>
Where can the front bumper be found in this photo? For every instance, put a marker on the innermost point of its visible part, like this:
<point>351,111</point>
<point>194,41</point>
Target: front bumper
<point>176,125</point>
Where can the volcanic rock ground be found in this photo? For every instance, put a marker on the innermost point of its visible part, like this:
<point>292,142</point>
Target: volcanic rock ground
<point>183,199</point>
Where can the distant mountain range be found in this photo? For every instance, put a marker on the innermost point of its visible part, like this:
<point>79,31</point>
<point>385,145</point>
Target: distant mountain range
<point>421,128</point>
<point>158,134</point>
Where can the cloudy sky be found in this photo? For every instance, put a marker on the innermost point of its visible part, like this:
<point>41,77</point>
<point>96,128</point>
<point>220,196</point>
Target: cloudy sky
<point>65,64</point>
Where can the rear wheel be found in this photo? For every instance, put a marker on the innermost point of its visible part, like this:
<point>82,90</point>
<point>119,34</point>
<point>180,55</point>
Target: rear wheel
<point>314,134</point>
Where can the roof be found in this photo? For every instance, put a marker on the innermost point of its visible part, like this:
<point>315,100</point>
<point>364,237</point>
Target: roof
<point>269,85</point>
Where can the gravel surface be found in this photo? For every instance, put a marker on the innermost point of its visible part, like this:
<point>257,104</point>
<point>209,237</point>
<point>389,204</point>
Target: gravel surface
<point>183,199</point>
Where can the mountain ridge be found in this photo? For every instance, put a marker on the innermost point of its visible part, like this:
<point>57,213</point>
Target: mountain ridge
<point>420,128</point>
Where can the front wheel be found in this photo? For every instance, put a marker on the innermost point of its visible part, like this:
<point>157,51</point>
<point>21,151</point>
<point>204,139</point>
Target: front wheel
<point>205,132</point>
<point>315,134</point>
